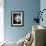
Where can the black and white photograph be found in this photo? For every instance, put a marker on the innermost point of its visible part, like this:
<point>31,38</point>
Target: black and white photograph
<point>17,18</point>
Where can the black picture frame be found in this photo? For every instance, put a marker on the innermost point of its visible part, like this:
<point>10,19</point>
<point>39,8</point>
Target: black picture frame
<point>17,18</point>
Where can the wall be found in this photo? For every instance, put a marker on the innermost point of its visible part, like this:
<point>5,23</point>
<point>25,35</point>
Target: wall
<point>42,6</point>
<point>30,7</point>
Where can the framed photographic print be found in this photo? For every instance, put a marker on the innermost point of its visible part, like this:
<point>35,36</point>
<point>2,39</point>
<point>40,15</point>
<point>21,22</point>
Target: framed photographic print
<point>17,18</point>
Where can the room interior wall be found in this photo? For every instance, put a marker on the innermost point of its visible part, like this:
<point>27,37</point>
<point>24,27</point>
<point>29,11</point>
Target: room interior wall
<point>30,7</point>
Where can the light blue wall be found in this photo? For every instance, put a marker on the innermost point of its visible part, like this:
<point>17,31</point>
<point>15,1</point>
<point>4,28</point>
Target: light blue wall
<point>30,7</point>
<point>43,6</point>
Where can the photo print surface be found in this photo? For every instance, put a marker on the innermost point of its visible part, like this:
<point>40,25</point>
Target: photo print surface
<point>17,18</point>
